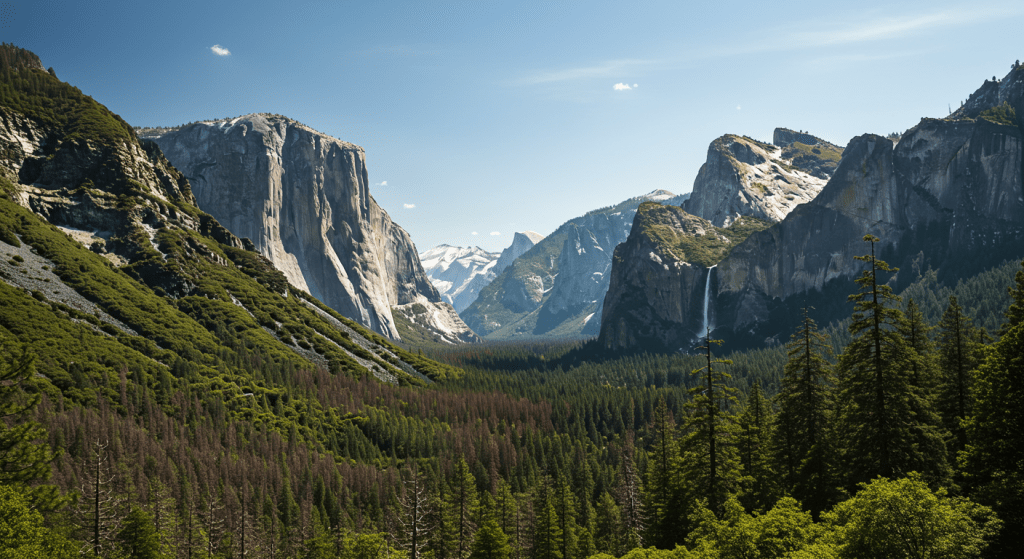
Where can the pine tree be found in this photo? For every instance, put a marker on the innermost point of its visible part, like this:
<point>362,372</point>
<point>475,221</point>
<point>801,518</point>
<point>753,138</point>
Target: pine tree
<point>490,542</point>
<point>995,433</point>
<point>958,356</point>
<point>710,462</point>
<point>662,499</point>
<point>462,505</point>
<point>754,444</point>
<point>23,459</point>
<point>802,442</point>
<point>629,489</point>
<point>888,425</point>
<point>547,530</point>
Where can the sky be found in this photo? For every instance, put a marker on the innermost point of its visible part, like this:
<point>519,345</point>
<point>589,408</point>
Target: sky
<point>482,118</point>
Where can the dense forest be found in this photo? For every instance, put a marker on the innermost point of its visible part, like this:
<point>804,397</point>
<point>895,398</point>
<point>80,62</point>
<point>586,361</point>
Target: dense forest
<point>890,435</point>
<point>187,403</point>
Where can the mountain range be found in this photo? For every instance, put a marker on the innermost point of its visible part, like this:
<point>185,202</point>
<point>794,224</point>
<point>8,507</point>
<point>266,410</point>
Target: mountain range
<point>945,197</point>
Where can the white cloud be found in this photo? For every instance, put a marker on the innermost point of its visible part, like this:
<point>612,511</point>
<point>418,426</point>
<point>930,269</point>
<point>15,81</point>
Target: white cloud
<point>474,233</point>
<point>738,108</point>
<point>604,69</point>
<point>635,86</point>
<point>495,233</point>
<point>219,50</point>
<point>621,87</point>
<point>382,183</point>
<point>408,206</point>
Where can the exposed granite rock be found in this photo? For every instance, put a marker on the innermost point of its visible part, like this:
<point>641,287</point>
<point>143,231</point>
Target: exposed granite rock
<point>657,286</point>
<point>303,199</point>
<point>745,177</point>
<point>557,288</point>
<point>521,242</point>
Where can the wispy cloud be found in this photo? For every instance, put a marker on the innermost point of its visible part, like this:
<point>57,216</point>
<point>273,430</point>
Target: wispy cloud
<point>601,70</point>
<point>495,233</point>
<point>894,27</point>
<point>621,87</point>
<point>382,183</point>
<point>474,233</point>
<point>408,206</point>
<point>220,51</point>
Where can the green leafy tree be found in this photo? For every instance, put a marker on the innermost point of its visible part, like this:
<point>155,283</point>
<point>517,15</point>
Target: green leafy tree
<point>992,460</point>
<point>803,445</point>
<point>887,424</point>
<point>23,534</point>
<point>710,461</point>
<point>903,518</point>
<point>783,530</point>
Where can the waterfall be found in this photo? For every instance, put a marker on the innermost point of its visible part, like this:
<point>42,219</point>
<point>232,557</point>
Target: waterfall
<point>706,329</point>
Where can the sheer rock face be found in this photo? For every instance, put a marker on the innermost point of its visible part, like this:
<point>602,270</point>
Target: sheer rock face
<point>948,196</point>
<point>745,177</point>
<point>303,199</point>
<point>655,299</point>
<point>557,287</point>
<point>521,242</point>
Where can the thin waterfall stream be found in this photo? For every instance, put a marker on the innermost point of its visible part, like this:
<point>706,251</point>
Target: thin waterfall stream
<point>706,329</point>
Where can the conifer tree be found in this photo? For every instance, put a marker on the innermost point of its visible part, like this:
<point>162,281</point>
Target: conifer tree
<point>565,506</point>
<point>629,490</point>
<point>710,462</point>
<point>490,541</point>
<point>888,426</point>
<point>23,458</point>
<point>754,444</point>
<point>995,450</point>
<point>958,356</point>
<point>547,530</point>
<point>662,499</point>
<point>462,505</point>
<point>802,442</point>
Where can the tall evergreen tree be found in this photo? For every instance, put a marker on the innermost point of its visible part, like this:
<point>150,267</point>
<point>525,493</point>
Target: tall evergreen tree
<point>547,529</point>
<point>802,442</point>
<point>995,451</point>
<point>662,499</point>
<point>754,444</point>
<point>888,425</point>
<point>462,505</point>
<point>490,541</point>
<point>24,457</point>
<point>710,461</point>
<point>958,356</point>
<point>629,491</point>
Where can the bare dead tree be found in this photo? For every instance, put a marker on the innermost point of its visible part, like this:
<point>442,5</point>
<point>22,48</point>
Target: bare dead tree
<point>415,511</point>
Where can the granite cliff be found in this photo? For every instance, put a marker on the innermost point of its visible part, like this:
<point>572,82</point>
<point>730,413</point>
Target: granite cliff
<point>948,196</point>
<point>557,288</point>
<point>743,176</point>
<point>303,199</point>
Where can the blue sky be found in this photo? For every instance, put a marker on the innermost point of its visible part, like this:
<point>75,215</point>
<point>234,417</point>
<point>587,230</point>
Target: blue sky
<point>482,118</point>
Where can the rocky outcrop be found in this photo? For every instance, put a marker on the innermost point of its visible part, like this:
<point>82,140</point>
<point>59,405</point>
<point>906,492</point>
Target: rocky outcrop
<point>303,199</point>
<point>743,176</point>
<point>557,288</point>
<point>949,196</point>
<point>521,242</point>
